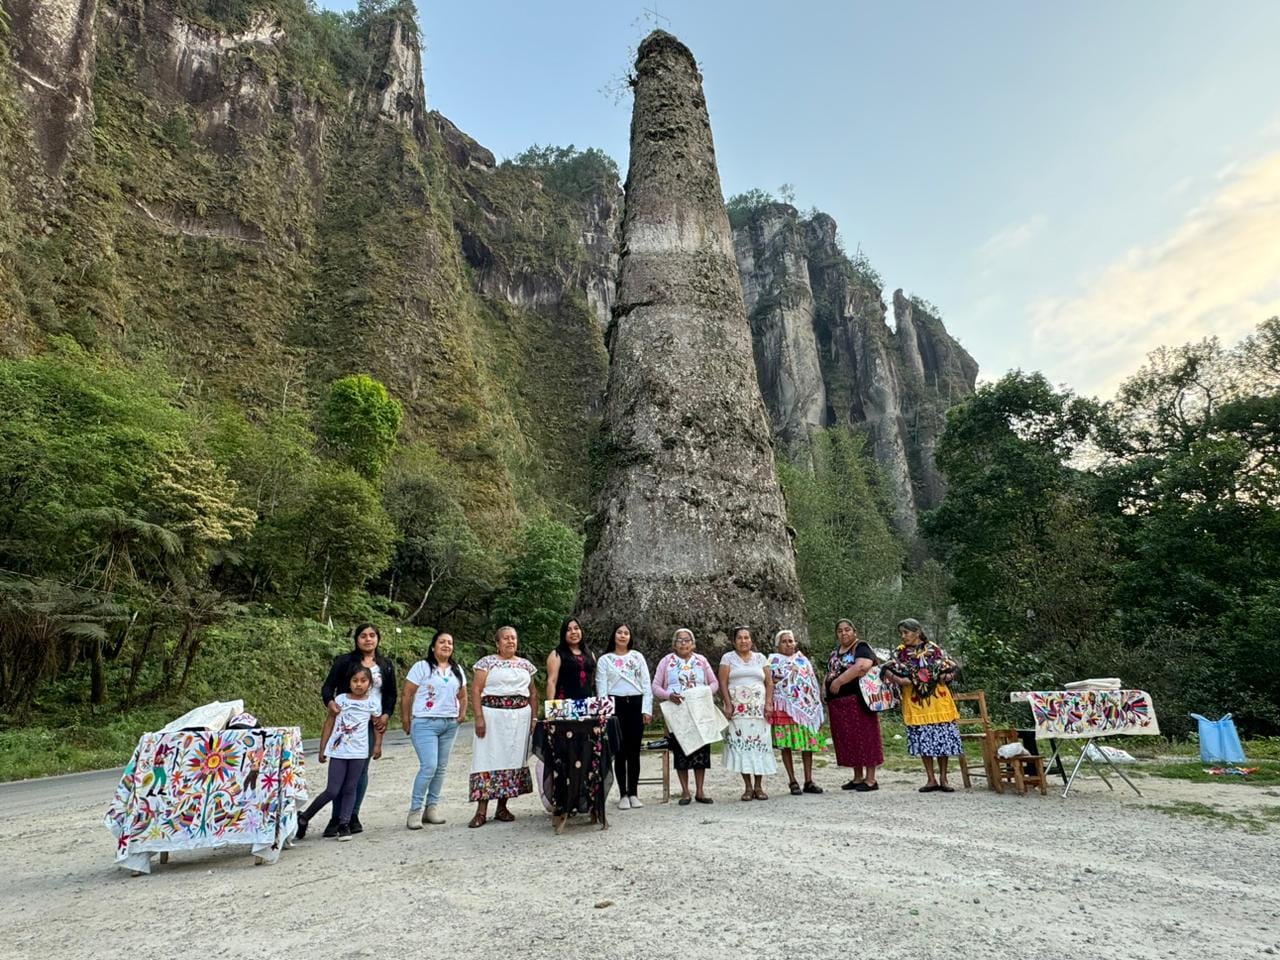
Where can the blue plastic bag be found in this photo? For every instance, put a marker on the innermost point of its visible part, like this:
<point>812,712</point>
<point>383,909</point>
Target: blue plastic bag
<point>1219,742</point>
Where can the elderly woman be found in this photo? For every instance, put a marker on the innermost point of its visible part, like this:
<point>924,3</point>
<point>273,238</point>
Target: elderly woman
<point>681,670</point>
<point>796,711</point>
<point>746,685</point>
<point>855,727</point>
<point>505,701</point>
<point>923,670</point>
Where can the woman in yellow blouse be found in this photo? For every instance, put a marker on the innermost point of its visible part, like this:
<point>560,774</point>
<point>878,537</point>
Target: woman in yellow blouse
<point>923,670</point>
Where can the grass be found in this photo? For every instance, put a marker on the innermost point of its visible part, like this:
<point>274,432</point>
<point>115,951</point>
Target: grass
<point>1254,821</point>
<point>1267,775</point>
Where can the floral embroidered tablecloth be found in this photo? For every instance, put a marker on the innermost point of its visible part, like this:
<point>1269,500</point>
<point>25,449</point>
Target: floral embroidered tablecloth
<point>199,789</point>
<point>1084,714</point>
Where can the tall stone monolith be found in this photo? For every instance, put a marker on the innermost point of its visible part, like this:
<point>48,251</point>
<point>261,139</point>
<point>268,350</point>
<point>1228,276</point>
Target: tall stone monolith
<point>690,527</point>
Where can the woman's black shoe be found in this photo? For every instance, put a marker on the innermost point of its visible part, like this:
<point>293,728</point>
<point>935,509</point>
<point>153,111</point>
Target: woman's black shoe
<point>851,785</point>
<point>302,828</point>
<point>356,826</point>
<point>331,829</point>
<point>811,787</point>
<point>795,789</point>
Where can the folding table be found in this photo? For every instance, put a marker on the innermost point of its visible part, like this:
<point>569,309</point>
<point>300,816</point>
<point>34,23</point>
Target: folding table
<point>1091,715</point>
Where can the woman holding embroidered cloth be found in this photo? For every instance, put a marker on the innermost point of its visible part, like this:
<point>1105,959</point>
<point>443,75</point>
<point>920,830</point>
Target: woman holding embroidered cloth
<point>796,710</point>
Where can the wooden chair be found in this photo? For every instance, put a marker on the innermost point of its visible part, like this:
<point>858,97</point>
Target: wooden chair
<point>665,779</point>
<point>1018,772</point>
<point>983,736</point>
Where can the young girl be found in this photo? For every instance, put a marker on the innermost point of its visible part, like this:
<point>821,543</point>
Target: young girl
<point>345,740</point>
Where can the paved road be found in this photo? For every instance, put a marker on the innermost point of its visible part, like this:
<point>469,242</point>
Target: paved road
<point>24,796</point>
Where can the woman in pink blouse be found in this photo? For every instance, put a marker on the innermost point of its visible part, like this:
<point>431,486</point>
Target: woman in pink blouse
<point>681,670</point>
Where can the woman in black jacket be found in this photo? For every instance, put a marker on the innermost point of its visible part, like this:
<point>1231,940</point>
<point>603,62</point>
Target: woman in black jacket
<point>364,653</point>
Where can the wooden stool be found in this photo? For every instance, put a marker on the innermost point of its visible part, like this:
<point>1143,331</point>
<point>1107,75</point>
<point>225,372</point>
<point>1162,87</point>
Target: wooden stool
<point>1013,770</point>
<point>665,779</point>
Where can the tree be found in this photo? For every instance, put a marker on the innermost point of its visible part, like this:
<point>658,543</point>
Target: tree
<point>332,541</point>
<point>542,580</point>
<point>1031,560</point>
<point>361,423</point>
<point>848,560</point>
<point>439,562</point>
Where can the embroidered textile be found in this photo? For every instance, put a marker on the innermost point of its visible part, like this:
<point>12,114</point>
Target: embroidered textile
<point>1081,714</point>
<point>199,789</point>
<point>500,784</point>
<point>576,756</point>
<point>795,689</point>
<point>696,722</point>
<point>582,709</point>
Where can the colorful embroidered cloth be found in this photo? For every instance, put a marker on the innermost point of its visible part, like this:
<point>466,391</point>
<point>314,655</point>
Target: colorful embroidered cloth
<point>198,789</point>
<point>581,709</point>
<point>1082,714</point>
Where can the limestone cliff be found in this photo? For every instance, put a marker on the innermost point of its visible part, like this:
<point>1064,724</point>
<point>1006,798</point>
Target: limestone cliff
<point>259,194</point>
<point>825,355</point>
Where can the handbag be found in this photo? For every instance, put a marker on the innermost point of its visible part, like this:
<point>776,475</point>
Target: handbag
<point>878,693</point>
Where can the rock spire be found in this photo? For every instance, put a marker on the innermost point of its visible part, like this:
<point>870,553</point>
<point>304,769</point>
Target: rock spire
<point>690,527</point>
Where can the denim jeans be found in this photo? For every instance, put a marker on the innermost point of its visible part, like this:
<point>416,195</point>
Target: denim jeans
<point>432,740</point>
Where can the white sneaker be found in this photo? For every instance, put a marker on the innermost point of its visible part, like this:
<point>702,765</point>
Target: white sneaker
<point>414,822</point>
<point>624,803</point>
<point>635,803</point>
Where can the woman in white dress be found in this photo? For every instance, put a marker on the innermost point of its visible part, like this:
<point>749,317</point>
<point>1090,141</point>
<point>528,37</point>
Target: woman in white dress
<point>746,684</point>
<point>505,702</point>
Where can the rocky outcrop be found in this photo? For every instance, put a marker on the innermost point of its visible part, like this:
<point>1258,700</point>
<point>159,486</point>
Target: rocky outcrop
<point>826,356</point>
<point>221,195</point>
<point>690,527</point>
<point>773,262</point>
<point>53,46</point>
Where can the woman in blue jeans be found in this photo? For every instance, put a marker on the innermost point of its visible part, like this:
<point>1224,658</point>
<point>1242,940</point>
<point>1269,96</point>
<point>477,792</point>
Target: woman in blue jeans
<point>433,705</point>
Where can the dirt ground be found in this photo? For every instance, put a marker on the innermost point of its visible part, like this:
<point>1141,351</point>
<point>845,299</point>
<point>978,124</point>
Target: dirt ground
<point>890,874</point>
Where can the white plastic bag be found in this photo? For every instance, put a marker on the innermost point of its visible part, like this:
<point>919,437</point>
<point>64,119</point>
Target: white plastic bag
<point>1101,752</point>
<point>212,716</point>
<point>1008,751</point>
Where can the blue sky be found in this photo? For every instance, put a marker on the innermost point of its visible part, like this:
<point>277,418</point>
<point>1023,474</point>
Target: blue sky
<point>1072,184</point>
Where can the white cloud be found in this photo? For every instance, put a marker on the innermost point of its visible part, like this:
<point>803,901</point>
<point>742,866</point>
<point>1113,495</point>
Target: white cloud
<point>1010,239</point>
<point>1218,273</point>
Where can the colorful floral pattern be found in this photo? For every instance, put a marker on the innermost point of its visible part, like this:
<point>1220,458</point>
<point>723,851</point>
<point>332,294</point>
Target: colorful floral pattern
<point>582,709</point>
<point>1080,714</point>
<point>191,790</point>
<point>795,689</point>
<point>501,784</point>
<point>794,736</point>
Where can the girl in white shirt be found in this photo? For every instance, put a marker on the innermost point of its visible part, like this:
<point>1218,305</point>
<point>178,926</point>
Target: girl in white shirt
<point>345,740</point>
<point>432,708</point>
<point>621,673</point>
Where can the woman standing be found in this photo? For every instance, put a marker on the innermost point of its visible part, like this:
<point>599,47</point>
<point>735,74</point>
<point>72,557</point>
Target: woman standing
<point>746,685</point>
<point>623,675</point>
<point>681,670</point>
<point>433,706</point>
<point>923,670</point>
<point>855,728</point>
<point>796,710</point>
<point>365,641</point>
<point>504,700</point>
<point>571,669</point>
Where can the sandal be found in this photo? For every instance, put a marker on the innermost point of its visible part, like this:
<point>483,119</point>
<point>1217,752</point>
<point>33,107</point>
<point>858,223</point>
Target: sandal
<point>811,787</point>
<point>795,789</point>
<point>747,795</point>
<point>703,800</point>
<point>506,816</point>
<point>944,788</point>
<point>479,820</point>
<point>685,801</point>
<point>930,788</point>
<point>760,794</point>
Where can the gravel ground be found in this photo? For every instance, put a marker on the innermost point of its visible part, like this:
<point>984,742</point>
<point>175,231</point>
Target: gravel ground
<point>890,874</point>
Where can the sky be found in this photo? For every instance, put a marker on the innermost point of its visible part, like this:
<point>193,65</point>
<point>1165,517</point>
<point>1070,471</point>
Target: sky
<point>1073,185</point>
